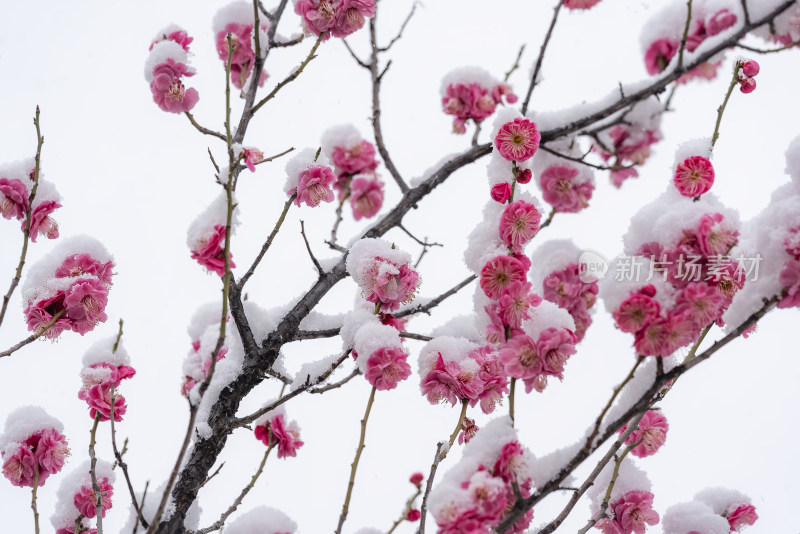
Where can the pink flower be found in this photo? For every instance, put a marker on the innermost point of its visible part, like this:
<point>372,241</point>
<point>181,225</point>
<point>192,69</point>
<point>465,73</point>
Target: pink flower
<point>580,4</point>
<point>319,16</point>
<point>715,235</point>
<point>554,346</point>
<point>276,432</point>
<point>390,284</point>
<point>498,274</point>
<point>440,383</point>
<point>744,514</point>
<point>38,314</point>
<point>652,339</point>
<point>351,15</point>
<point>19,467</point>
<point>417,479</point>
<point>503,90</point>
<point>79,264</point>
<point>720,21</point>
<point>85,302</point>
<point>635,313</point>
<point>210,252</point>
<point>747,85</point>
<point>366,196</point>
<point>790,280</point>
<point>524,176</point>
<point>652,432</point>
<point>86,500</point>
<point>519,223</point>
<point>501,192</point>
<point>314,185</point>
<point>472,101</point>
<point>241,51</point>
<point>518,140</point>
<point>560,190</point>
<point>515,302</point>
<point>51,452</point>
<point>386,367</point>
<point>41,222</point>
<point>357,159</point>
<point>468,431</point>
<point>13,199</point>
<point>619,176</point>
<point>252,156</point>
<point>99,400</point>
<point>520,358</point>
<point>508,462</point>
<point>703,303</point>
<point>659,54</point>
<point>694,176</point>
<point>750,68</point>
<point>179,36</point>
<point>563,287</point>
<point>413,515</point>
<point>631,513</point>
<point>168,90</point>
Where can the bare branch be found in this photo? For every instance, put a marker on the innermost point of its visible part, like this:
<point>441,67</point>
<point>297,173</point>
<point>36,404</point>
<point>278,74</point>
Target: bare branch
<point>437,457</point>
<point>400,33</point>
<point>203,130</point>
<point>335,385</point>
<point>354,56</point>
<point>539,60</point>
<point>426,308</point>
<point>515,66</point>
<point>308,248</point>
<point>33,337</point>
<point>290,78</point>
<point>582,161</point>
<point>418,337</point>
<point>760,51</point>
<point>268,242</point>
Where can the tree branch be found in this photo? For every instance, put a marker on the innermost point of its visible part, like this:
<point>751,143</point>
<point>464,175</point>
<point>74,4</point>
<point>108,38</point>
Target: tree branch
<point>539,60</point>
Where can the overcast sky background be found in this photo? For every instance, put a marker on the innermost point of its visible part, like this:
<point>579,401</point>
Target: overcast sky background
<point>134,177</point>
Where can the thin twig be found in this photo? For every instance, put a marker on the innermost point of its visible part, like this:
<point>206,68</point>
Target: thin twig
<point>760,51</point>
<point>616,392</point>
<point>354,56</point>
<point>215,473</point>
<point>268,242</point>
<point>423,510</point>
<point>98,495</point>
<point>515,66</point>
<point>582,161</point>
<point>721,108</point>
<point>549,220</point>
<point>475,135</point>
<point>335,385</point>
<point>33,497</point>
<point>203,130</point>
<point>293,76</point>
<point>339,207</point>
<point>406,509</point>
<point>33,337</point>
<point>746,12</point>
<point>426,308</point>
<point>219,523</point>
<point>539,60</point>
<point>685,33</point>
<point>400,33</point>
<point>425,244</point>
<point>418,337</point>
<point>276,156</point>
<point>26,230</point>
<point>308,248</point>
<point>283,44</point>
<point>354,466</point>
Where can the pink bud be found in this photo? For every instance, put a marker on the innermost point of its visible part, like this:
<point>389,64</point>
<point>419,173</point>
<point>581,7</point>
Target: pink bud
<point>747,85</point>
<point>750,68</point>
<point>413,515</point>
<point>417,479</point>
<point>524,176</point>
<point>501,192</point>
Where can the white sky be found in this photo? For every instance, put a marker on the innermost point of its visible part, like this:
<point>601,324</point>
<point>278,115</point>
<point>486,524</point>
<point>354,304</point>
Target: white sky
<point>135,177</point>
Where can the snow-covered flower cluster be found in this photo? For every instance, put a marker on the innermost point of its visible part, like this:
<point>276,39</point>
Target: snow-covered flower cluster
<point>69,284</point>
<point>310,177</point>
<point>238,20</point>
<point>32,446</point>
<point>477,493</point>
<point>650,434</point>
<point>16,185</point>
<point>383,273</point>
<point>471,93</point>
<point>339,18</point>
<point>354,164</point>
<point>566,185</point>
<point>206,235</point>
<point>166,66</point>
<point>204,333</point>
<point>104,367</point>
<point>630,505</point>
<point>713,511</point>
<point>77,500</point>
<point>262,520</point>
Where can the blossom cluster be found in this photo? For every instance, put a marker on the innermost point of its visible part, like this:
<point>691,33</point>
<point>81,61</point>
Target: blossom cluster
<point>566,185</point>
<point>310,178</point>
<point>166,66</point>
<point>712,511</point>
<point>206,235</point>
<point>471,93</point>
<point>17,181</point>
<point>104,368</point>
<point>272,429</point>
<point>237,19</point>
<point>32,447</point>
<point>78,501</point>
<point>69,285</point>
<point>354,165</point>
<point>339,18</point>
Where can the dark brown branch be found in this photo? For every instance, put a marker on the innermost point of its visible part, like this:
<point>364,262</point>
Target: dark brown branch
<point>418,337</point>
<point>284,44</point>
<point>354,56</point>
<point>335,385</point>
<point>685,32</point>
<point>308,248</point>
<point>437,457</point>
<point>539,60</point>
<point>276,156</point>
<point>427,307</point>
<point>582,161</point>
<point>268,242</point>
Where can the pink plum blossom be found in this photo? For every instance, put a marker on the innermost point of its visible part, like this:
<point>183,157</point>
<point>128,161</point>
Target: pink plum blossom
<point>715,235</point>
<point>440,384</point>
<point>508,461</point>
<point>85,302</point>
<point>80,264</point>
<point>275,431</point>
<point>319,16</point>
<point>468,431</point>
<point>792,243</point>
<point>790,280</point>
<point>41,222</point>
<point>386,367</point>
<point>20,465</point>
<point>720,21</point>
<point>555,346</point>
<point>416,479</point>
<point>51,452</point>
<point>631,513</point>
<point>498,274</point>
<point>524,176</point>
<point>742,515</point>
<point>99,399</point>
<point>13,199</point>
<point>515,302</point>
<point>519,223</point>
<point>750,68</point>
<point>659,54</point>
<point>703,303</point>
<point>366,196</point>
<point>560,190</point>
<point>178,36</point>
<point>501,192</point>
<point>251,156</point>
<point>652,432</point>
<point>694,176</point>
<point>209,252</point>
<point>518,140</point>
<point>636,312</point>
<point>242,55</point>
<point>520,358</point>
<point>390,284</point>
<point>168,90</point>
<point>356,159</point>
<point>39,314</point>
<point>315,185</point>
<point>85,499</point>
<point>351,15</point>
<point>493,381</point>
<point>580,4</point>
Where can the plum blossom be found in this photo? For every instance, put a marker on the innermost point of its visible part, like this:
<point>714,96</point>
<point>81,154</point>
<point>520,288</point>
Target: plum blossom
<point>631,513</point>
<point>386,367</point>
<point>210,252</point>
<point>555,346</point>
<point>13,199</point>
<point>519,223</point>
<point>242,54</point>
<point>694,176</point>
<point>790,280</point>
<point>168,89</point>
<point>742,515</point>
<point>518,140</point>
<point>580,4</point>
<point>366,196</point>
<point>41,222</point>
<point>314,185</point>
<point>562,190</point>
<point>86,499</point>
<point>391,284</point>
<point>351,16</point>
<point>747,72</point>
<point>356,159</point>
<point>636,313</point>
<point>652,432</point>
<point>40,455</point>
<point>272,430</point>
<point>501,192</point>
<point>499,273</point>
<point>659,54</point>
